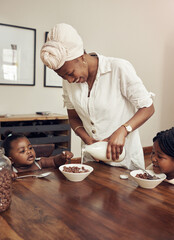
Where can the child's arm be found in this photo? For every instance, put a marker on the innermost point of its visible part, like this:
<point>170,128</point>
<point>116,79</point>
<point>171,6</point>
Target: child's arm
<point>63,158</point>
<point>56,161</point>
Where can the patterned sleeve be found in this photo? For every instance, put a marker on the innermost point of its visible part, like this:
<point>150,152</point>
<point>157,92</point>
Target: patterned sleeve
<point>133,88</point>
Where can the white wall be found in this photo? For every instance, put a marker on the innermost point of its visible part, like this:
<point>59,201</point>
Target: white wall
<point>141,31</point>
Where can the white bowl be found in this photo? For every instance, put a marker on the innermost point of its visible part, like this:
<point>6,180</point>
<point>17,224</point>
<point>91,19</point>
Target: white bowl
<point>76,177</point>
<point>147,183</point>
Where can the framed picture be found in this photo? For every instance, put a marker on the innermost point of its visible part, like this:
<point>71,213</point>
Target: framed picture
<point>51,79</point>
<point>17,55</point>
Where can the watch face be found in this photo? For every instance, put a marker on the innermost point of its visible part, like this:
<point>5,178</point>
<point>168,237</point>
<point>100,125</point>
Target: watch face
<point>129,128</point>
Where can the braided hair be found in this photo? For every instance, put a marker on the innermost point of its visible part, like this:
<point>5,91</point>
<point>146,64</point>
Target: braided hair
<point>9,137</point>
<point>166,141</point>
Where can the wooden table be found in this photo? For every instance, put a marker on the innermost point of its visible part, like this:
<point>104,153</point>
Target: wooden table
<point>102,207</point>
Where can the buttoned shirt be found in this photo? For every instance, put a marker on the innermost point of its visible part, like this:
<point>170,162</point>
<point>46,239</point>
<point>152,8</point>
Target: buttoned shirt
<point>116,95</point>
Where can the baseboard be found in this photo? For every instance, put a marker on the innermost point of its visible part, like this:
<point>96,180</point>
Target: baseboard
<point>147,150</point>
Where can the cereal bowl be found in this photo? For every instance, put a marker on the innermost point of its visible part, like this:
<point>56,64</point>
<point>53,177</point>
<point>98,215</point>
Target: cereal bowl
<point>147,183</point>
<point>75,172</point>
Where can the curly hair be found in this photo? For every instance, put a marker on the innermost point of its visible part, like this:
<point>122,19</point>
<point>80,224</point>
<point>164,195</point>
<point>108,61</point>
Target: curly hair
<point>166,141</point>
<point>9,137</point>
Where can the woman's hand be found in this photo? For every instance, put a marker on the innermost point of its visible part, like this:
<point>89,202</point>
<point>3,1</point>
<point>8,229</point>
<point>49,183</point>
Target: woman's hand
<point>115,143</point>
<point>91,141</point>
<point>117,140</point>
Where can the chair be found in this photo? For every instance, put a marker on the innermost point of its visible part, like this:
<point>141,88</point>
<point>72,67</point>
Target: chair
<point>44,150</point>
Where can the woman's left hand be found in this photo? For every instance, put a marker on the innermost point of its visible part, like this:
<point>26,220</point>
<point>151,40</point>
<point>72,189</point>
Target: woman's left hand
<point>115,143</point>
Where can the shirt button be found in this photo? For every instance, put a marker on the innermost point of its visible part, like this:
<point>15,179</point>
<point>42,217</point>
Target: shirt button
<point>93,131</point>
<point>92,123</point>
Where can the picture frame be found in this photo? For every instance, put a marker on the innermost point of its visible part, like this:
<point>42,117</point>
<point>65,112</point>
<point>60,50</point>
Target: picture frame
<point>51,78</point>
<point>18,55</point>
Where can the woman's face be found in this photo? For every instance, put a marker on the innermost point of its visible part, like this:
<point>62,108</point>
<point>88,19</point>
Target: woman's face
<point>74,71</point>
<point>162,163</point>
<point>22,153</point>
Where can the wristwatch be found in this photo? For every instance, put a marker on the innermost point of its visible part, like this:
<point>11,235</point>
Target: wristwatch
<point>128,128</point>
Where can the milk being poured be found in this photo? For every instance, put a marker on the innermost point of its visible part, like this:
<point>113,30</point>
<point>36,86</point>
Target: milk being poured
<point>98,151</point>
<point>82,154</point>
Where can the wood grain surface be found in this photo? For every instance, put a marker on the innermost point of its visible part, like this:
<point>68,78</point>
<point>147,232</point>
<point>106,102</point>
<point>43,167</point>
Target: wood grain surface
<point>102,207</point>
<point>32,117</point>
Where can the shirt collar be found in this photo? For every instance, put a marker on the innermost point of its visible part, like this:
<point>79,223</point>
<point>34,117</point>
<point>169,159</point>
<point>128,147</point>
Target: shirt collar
<point>104,65</point>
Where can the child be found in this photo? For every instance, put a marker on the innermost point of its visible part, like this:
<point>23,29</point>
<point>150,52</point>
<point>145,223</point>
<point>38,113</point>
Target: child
<point>23,157</point>
<point>163,154</point>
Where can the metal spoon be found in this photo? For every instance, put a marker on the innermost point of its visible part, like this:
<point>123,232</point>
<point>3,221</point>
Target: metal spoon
<point>144,170</point>
<point>37,176</point>
<point>147,173</point>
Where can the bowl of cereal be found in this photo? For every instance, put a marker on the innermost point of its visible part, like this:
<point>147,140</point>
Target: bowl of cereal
<point>75,172</point>
<point>147,179</point>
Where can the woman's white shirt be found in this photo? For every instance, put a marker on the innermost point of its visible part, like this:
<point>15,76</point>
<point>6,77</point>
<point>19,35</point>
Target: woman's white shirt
<point>116,94</point>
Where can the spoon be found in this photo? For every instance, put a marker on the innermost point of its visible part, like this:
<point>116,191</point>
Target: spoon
<point>37,176</point>
<point>145,171</point>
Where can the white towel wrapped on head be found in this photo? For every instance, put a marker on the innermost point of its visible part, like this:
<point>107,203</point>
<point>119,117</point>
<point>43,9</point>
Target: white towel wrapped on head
<point>63,44</point>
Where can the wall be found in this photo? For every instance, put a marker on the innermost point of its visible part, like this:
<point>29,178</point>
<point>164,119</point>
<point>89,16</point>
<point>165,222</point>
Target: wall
<point>139,31</point>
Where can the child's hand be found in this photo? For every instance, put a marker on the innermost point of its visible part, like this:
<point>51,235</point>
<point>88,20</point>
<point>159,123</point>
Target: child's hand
<point>67,155</point>
<point>63,158</point>
<point>14,176</point>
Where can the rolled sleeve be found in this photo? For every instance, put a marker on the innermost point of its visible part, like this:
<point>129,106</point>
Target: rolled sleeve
<point>146,101</point>
<point>67,103</point>
<point>66,100</point>
<point>133,88</point>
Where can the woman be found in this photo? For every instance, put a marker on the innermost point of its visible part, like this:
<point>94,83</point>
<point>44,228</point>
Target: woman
<point>105,99</point>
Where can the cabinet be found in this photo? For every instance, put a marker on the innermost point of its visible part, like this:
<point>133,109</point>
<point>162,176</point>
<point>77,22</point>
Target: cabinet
<point>40,129</point>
